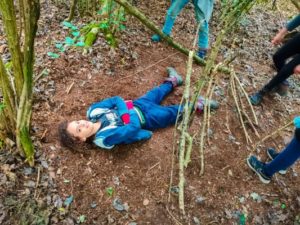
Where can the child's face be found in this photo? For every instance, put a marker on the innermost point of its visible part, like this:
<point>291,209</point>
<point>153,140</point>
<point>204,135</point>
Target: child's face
<point>81,129</point>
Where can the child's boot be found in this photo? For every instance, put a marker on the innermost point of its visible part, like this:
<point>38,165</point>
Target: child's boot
<point>257,98</point>
<point>202,102</point>
<point>156,38</point>
<point>258,167</point>
<point>202,53</point>
<point>174,77</point>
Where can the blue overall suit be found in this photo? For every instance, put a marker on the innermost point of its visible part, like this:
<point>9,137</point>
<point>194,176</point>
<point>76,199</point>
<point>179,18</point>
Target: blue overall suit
<point>146,115</point>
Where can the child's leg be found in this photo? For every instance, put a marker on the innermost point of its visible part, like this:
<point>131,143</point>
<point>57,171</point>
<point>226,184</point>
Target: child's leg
<point>160,116</point>
<point>286,71</point>
<point>157,94</point>
<point>203,38</point>
<point>173,11</point>
<point>285,159</point>
<point>289,49</point>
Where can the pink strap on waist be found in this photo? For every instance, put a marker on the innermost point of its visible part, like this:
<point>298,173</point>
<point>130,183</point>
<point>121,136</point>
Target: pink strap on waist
<point>129,104</point>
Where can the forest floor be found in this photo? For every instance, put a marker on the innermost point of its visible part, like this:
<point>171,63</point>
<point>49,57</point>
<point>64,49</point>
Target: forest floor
<point>83,187</point>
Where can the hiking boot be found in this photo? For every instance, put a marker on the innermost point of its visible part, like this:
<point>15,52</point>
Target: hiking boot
<point>156,38</point>
<point>174,77</point>
<point>271,152</point>
<point>202,53</point>
<point>202,102</point>
<point>283,88</point>
<point>256,98</point>
<point>258,167</point>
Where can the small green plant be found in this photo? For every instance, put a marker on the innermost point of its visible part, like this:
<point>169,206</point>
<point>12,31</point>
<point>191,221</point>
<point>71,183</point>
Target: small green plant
<point>2,106</point>
<point>110,191</point>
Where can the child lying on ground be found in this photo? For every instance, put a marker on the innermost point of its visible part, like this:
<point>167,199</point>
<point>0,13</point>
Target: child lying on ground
<point>115,121</point>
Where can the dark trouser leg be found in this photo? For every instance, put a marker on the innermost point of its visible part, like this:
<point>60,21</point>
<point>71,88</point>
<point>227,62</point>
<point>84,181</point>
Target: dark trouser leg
<point>289,49</point>
<point>158,116</point>
<point>283,74</point>
<point>285,159</point>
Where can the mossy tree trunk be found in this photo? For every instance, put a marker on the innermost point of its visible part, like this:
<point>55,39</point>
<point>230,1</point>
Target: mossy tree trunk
<point>17,92</point>
<point>72,10</point>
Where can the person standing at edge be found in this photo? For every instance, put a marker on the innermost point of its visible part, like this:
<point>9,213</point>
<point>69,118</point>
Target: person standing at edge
<point>291,49</point>
<point>280,161</point>
<point>203,10</point>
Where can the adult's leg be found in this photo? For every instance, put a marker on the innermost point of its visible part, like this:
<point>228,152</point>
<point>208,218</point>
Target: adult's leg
<point>172,13</point>
<point>286,71</point>
<point>285,159</point>
<point>288,50</point>
<point>157,94</point>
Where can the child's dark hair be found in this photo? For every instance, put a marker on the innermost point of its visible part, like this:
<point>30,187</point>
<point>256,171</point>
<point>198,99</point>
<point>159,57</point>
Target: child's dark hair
<point>65,138</point>
<point>71,142</point>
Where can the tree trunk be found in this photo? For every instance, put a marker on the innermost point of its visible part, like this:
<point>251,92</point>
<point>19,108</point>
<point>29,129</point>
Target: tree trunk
<point>8,116</point>
<point>72,10</point>
<point>31,15</point>
<point>18,104</point>
<point>10,24</point>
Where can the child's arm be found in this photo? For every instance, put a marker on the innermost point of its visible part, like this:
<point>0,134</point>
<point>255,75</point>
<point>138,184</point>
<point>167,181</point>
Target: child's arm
<point>109,103</point>
<point>295,22</point>
<point>121,135</point>
<point>289,27</point>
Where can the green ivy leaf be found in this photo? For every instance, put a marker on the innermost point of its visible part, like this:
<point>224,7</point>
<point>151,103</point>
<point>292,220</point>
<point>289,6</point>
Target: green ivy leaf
<point>67,24</point>
<point>2,106</point>
<point>81,219</point>
<point>103,25</point>
<point>75,33</point>
<point>69,41</point>
<point>58,45</point>
<point>283,206</point>
<point>53,55</point>
<point>80,44</point>
<point>110,191</point>
<point>122,27</point>
<point>242,219</point>
<point>74,28</point>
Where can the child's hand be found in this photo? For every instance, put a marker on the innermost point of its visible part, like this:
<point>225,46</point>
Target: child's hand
<point>297,121</point>
<point>279,36</point>
<point>297,69</point>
